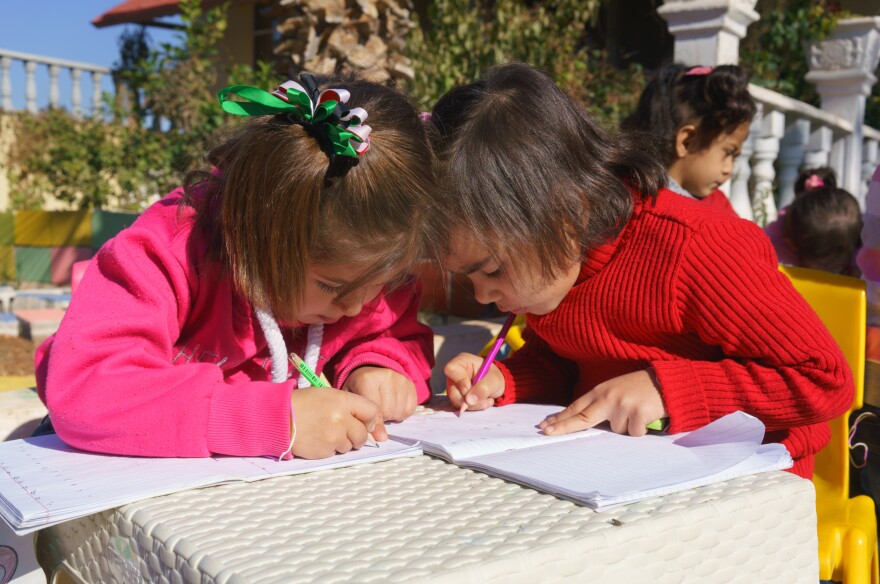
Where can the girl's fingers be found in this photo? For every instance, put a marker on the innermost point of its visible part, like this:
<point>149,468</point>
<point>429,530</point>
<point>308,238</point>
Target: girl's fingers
<point>567,422</point>
<point>482,405</point>
<point>574,409</point>
<point>481,392</point>
<point>379,432</point>
<point>344,446</point>
<point>454,393</point>
<point>636,426</point>
<point>361,408</point>
<point>459,369</point>
<point>355,434</point>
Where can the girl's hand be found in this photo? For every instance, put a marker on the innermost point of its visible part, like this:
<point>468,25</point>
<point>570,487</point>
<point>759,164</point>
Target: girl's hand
<point>330,421</point>
<point>629,402</point>
<point>460,372</point>
<point>394,393</point>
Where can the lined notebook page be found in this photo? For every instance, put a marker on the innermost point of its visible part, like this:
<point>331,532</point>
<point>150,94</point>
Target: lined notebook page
<point>612,468</point>
<point>445,434</point>
<point>43,481</point>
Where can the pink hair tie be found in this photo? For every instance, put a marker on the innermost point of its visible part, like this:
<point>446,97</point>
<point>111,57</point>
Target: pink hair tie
<point>699,71</point>
<point>425,116</point>
<point>814,181</point>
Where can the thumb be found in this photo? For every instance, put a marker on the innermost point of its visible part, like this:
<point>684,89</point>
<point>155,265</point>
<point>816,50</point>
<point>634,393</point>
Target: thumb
<point>378,430</point>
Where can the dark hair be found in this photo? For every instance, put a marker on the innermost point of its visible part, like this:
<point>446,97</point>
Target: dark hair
<point>527,169</point>
<point>270,210</point>
<point>825,173</point>
<point>716,102</point>
<point>824,226</point>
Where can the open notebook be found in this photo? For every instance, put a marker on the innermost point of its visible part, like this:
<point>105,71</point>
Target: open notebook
<point>43,481</point>
<point>597,468</point>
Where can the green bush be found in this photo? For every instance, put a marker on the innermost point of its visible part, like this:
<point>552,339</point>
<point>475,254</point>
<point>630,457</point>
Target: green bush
<point>774,50</point>
<point>464,37</point>
<point>160,125</point>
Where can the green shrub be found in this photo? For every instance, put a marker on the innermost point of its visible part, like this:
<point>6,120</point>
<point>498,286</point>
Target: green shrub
<point>160,125</point>
<point>464,37</point>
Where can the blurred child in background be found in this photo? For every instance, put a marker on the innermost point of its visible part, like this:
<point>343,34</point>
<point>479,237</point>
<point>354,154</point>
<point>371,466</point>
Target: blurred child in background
<point>701,115</point>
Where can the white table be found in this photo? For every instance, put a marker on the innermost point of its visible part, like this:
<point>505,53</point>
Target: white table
<point>424,520</point>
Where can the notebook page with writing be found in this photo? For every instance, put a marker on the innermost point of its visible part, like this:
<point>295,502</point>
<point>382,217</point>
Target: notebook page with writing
<point>445,434</point>
<point>43,481</point>
<point>611,468</point>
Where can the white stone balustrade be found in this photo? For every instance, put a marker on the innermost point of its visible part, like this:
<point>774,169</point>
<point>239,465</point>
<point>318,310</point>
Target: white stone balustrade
<point>787,134</point>
<point>842,68</point>
<point>53,67</point>
<point>739,191</point>
<point>799,135</point>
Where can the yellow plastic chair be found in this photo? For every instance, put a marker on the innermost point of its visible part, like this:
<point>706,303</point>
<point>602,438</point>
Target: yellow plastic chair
<point>847,526</point>
<point>514,337</point>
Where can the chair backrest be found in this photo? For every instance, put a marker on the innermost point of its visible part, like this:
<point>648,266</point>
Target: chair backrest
<point>840,303</point>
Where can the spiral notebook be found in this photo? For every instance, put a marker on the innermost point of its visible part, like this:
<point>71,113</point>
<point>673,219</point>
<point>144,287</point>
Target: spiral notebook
<point>596,468</point>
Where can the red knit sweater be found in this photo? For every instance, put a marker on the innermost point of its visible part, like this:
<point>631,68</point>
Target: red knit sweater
<point>718,200</point>
<point>697,296</point>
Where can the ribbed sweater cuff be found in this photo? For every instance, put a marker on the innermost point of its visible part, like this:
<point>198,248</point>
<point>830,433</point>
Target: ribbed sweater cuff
<point>251,419</point>
<point>526,387</point>
<point>683,395</point>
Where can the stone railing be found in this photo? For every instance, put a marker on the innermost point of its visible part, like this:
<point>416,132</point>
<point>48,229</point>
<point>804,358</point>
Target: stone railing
<point>787,134</point>
<point>52,67</point>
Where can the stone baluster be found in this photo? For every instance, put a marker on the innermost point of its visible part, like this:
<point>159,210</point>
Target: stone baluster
<point>792,150</point>
<point>76,94</point>
<point>870,157</point>
<point>5,84</point>
<point>96,92</point>
<point>842,69</point>
<point>30,68</point>
<point>740,199</point>
<point>818,151</point>
<point>766,150</point>
<point>707,32</point>
<point>53,86</point>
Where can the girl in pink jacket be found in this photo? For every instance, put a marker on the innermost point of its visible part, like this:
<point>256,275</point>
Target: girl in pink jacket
<point>177,340</point>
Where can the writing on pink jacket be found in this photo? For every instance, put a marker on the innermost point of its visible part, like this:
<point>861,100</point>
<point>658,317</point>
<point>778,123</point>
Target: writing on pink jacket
<point>158,356</point>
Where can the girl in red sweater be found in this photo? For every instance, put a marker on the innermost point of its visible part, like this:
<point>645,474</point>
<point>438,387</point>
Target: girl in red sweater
<point>700,117</point>
<point>642,304</point>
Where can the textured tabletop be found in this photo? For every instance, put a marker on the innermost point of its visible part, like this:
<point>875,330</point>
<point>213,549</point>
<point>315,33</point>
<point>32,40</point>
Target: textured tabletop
<point>421,519</point>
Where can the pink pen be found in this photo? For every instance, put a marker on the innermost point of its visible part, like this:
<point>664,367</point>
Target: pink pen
<point>493,351</point>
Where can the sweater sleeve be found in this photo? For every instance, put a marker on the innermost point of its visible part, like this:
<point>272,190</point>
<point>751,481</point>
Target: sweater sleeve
<point>780,363</point>
<point>536,374</point>
<point>108,375</point>
<point>390,336</point>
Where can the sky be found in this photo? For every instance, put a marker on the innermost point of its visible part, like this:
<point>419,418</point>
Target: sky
<point>61,29</point>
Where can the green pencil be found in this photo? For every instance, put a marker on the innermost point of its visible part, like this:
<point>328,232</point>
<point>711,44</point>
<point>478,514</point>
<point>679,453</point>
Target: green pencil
<point>316,381</point>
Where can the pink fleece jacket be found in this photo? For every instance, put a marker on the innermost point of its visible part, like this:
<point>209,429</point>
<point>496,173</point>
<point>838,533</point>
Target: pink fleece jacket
<point>158,356</point>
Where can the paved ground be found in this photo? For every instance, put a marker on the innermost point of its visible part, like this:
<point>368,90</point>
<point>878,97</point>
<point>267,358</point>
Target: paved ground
<point>16,356</point>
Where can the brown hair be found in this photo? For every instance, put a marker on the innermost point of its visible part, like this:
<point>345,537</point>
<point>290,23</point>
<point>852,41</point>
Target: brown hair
<point>528,170</point>
<point>276,205</point>
<point>717,101</point>
<point>824,226</point>
<point>825,173</point>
